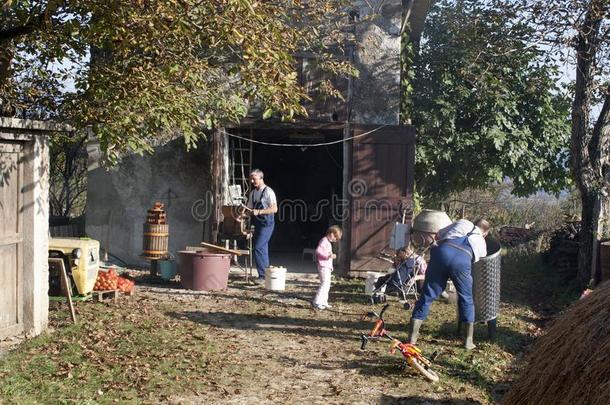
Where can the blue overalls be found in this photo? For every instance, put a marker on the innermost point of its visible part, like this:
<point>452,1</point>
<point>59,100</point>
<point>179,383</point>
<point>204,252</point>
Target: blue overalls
<point>452,259</point>
<point>263,228</point>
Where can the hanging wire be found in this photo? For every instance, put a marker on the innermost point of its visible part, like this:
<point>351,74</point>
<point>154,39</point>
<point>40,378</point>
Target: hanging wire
<point>241,162</point>
<point>303,145</point>
<point>232,161</point>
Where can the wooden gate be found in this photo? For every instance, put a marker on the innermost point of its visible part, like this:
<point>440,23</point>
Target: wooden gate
<point>11,238</point>
<point>381,185</point>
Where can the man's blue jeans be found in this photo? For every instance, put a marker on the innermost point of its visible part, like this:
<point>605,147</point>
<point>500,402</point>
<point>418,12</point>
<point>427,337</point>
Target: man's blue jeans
<point>447,262</point>
<point>262,235</point>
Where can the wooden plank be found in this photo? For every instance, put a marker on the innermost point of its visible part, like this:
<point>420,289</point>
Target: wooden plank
<point>11,239</point>
<point>106,295</point>
<point>10,189</point>
<point>9,284</point>
<point>111,295</point>
<point>223,249</point>
<point>217,170</point>
<point>254,123</point>
<point>344,251</point>
<point>59,263</point>
<point>19,210</point>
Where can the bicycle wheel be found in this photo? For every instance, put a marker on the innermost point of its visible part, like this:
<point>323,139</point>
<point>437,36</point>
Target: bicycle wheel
<point>429,374</point>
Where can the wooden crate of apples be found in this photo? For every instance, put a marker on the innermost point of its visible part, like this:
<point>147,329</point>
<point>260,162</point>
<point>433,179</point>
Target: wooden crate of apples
<point>110,280</point>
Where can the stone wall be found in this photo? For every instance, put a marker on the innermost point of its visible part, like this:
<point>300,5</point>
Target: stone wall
<point>118,198</point>
<point>376,92</point>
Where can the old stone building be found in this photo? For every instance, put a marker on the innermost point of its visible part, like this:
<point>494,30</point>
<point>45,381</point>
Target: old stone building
<point>371,172</point>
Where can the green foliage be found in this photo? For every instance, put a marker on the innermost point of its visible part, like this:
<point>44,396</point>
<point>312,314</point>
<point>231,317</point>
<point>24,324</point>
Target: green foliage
<point>145,71</point>
<point>487,104</point>
<point>407,73</point>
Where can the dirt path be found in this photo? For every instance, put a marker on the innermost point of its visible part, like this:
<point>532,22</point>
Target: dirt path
<point>280,350</point>
<point>247,345</point>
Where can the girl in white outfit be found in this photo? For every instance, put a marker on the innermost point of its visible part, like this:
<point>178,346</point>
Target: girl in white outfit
<point>324,258</point>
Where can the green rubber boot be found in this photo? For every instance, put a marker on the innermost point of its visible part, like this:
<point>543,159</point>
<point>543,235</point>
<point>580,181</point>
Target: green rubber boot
<point>468,342</point>
<point>414,330</point>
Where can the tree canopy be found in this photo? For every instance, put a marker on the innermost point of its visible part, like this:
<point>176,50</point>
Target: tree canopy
<point>487,103</point>
<point>139,71</point>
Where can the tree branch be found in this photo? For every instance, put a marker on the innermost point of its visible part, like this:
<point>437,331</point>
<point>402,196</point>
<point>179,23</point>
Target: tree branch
<point>31,23</point>
<point>601,133</point>
<point>15,32</point>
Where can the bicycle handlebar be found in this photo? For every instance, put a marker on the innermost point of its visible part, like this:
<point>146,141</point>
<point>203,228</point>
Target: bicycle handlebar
<point>363,341</point>
<point>380,316</point>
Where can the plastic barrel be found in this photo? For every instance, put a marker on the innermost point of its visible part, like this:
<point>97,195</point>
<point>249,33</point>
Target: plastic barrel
<point>371,279</point>
<point>203,271</point>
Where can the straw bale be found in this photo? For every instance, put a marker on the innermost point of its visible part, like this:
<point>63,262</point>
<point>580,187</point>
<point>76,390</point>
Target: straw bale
<point>571,363</point>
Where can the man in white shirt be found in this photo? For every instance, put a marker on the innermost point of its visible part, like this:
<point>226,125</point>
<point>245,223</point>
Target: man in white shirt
<point>263,205</point>
<point>476,235</point>
<point>457,247</point>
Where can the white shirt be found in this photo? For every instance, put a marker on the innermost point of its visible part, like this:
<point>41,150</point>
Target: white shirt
<point>267,198</point>
<point>462,228</point>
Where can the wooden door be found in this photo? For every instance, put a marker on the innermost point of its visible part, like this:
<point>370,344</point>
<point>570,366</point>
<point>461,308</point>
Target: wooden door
<point>11,239</point>
<point>381,185</point>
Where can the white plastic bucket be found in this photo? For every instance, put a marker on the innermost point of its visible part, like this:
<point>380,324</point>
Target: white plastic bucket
<point>275,278</point>
<point>371,279</point>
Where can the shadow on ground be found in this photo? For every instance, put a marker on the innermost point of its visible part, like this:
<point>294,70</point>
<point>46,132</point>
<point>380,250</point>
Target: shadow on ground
<point>313,326</point>
<point>396,400</point>
<point>508,339</point>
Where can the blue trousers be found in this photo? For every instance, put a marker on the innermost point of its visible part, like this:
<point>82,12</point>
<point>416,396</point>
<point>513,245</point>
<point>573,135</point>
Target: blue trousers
<point>447,262</point>
<point>262,234</point>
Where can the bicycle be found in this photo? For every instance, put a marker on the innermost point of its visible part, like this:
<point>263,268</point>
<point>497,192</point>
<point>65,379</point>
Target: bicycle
<point>413,355</point>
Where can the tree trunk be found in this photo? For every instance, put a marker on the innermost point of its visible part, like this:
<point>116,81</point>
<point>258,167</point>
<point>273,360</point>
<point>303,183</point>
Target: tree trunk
<point>6,56</point>
<point>588,147</point>
<point>589,236</point>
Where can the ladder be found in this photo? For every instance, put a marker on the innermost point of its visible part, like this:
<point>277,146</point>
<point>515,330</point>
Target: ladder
<point>240,163</point>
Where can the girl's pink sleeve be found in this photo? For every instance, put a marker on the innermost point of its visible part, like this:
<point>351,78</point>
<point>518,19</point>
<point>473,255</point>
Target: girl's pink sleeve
<point>324,250</point>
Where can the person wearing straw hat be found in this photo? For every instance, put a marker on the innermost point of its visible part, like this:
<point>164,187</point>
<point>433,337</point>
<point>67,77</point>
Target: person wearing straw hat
<point>457,247</point>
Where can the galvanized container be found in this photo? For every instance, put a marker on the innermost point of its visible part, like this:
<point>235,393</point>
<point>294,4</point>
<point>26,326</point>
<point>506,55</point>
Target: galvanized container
<point>430,221</point>
<point>486,283</point>
<point>426,224</point>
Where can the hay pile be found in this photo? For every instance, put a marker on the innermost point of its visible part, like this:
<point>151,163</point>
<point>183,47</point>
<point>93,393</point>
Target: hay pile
<point>571,364</point>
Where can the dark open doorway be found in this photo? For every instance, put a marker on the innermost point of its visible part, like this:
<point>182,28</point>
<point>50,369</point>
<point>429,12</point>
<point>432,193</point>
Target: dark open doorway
<point>306,181</point>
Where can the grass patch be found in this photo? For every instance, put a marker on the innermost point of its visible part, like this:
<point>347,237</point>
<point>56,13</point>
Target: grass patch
<point>128,352</point>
